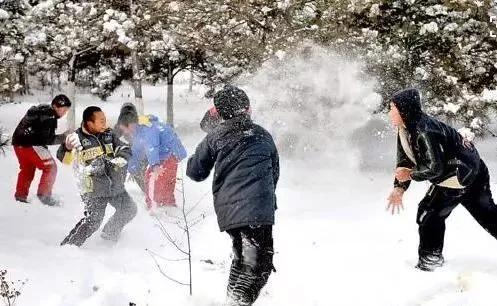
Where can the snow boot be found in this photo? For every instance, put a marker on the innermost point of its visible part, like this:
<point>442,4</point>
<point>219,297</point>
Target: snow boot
<point>430,262</point>
<point>109,237</point>
<point>49,200</point>
<point>22,200</point>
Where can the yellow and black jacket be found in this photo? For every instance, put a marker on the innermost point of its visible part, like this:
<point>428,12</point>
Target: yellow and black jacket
<point>104,179</point>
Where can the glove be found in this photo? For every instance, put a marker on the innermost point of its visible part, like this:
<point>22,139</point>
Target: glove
<point>96,167</point>
<point>119,162</point>
<point>155,171</point>
<point>73,142</point>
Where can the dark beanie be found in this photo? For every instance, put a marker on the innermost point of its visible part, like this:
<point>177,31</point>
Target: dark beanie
<point>231,102</point>
<point>61,101</point>
<point>128,115</point>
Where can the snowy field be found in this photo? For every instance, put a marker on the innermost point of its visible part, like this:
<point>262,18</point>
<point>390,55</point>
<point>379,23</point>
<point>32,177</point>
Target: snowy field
<point>335,243</point>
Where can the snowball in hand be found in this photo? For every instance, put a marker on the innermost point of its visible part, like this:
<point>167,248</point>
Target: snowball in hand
<point>73,142</point>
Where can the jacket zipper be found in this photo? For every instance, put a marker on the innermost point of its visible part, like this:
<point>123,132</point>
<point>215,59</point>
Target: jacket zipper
<point>103,149</point>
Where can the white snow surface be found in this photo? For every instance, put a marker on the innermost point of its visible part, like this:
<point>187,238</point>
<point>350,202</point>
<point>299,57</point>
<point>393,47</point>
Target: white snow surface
<point>335,243</point>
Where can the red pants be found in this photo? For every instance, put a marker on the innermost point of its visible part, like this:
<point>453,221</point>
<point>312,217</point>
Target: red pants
<point>30,159</point>
<point>160,186</point>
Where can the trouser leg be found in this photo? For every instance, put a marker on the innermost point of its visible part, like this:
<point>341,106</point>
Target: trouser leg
<point>125,212</point>
<point>45,162</point>
<point>432,212</point>
<point>479,202</point>
<point>93,217</point>
<point>26,171</point>
<point>252,264</point>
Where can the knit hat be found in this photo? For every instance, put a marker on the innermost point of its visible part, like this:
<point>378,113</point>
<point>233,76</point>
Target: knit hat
<point>61,101</point>
<point>231,102</point>
<point>127,115</point>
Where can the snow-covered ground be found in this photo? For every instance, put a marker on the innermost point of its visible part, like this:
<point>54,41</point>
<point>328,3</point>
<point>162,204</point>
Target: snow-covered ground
<point>335,243</point>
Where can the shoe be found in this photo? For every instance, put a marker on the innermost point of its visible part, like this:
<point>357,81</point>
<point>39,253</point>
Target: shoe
<point>22,200</point>
<point>430,262</point>
<point>109,237</point>
<point>49,200</point>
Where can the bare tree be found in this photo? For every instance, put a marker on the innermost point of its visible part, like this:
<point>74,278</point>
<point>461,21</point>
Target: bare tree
<point>184,222</point>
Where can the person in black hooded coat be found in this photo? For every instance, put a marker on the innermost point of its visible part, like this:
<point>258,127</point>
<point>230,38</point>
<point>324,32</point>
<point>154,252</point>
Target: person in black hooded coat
<point>430,150</point>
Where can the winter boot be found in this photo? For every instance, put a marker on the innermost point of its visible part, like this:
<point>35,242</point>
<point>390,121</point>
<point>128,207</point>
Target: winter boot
<point>22,200</point>
<point>430,262</point>
<point>49,200</point>
<point>109,237</point>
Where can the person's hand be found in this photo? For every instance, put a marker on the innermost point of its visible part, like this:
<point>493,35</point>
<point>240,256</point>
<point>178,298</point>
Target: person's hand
<point>155,171</point>
<point>395,201</point>
<point>119,162</point>
<point>96,167</point>
<point>403,174</point>
<point>73,142</point>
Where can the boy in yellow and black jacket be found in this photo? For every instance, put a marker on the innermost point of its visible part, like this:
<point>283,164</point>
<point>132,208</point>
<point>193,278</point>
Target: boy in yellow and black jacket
<point>102,160</point>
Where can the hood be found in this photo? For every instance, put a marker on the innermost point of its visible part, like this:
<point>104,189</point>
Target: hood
<point>408,102</point>
<point>147,120</point>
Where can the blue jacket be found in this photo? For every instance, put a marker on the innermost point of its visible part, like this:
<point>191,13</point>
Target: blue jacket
<point>154,141</point>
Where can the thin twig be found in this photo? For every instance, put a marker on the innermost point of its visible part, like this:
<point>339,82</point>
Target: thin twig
<point>164,258</point>
<point>164,274</point>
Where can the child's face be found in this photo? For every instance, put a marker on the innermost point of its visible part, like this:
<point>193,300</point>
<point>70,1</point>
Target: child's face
<point>395,116</point>
<point>128,130</point>
<point>61,111</point>
<point>98,125</point>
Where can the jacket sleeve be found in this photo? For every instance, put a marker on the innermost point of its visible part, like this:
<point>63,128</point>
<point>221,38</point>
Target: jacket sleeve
<point>59,139</point>
<point>210,120</point>
<point>120,148</point>
<point>402,161</point>
<point>201,163</point>
<point>64,155</point>
<point>152,146</point>
<point>432,153</point>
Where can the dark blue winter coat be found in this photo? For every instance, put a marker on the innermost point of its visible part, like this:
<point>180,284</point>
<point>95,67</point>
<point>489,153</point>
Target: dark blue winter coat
<point>246,172</point>
<point>155,142</point>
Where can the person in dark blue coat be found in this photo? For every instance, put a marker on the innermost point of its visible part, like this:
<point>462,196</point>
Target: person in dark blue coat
<point>246,173</point>
<point>155,143</point>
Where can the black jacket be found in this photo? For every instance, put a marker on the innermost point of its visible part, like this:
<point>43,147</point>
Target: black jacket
<point>246,172</point>
<point>37,128</point>
<point>440,152</point>
<point>98,176</point>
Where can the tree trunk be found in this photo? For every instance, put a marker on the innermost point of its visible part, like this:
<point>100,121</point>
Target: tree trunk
<point>71,92</point>
<point>52,84</point>
<point>137,78</point>
<point>137,82</point>
<point>170,94</point>
<point>21,73</point>
<point>190,86</point>
<point>12,83</point>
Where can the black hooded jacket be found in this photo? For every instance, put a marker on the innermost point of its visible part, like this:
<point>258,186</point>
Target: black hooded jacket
<point>246,172</point>
<point>440,152</point>
<point>37,128</point>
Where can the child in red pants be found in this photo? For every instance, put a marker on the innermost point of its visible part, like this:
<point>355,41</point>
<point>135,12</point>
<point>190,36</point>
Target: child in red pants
<point>157,144</point>
<point>34,133</point>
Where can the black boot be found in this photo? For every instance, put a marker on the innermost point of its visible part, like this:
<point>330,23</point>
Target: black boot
<point>22,200</point>
<point>429,262</point>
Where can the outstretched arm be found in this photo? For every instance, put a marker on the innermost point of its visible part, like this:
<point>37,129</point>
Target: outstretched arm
<point>201,163</point>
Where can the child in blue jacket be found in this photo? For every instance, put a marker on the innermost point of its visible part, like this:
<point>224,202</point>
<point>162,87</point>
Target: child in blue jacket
<point>155,143</point>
